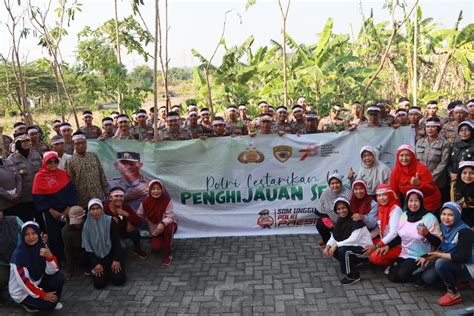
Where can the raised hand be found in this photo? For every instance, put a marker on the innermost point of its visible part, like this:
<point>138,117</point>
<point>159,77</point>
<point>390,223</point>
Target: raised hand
<point>415,180</point>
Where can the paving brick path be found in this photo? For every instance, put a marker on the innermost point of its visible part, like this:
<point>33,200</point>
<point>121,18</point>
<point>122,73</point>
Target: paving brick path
<point>268,275</point>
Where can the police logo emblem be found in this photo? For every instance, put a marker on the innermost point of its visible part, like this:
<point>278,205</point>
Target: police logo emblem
<point>282,153</point>
<point>251,155</point>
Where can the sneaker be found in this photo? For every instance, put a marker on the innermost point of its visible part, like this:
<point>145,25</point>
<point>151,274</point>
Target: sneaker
<point>419,282</point>
<point>167,260</point>
<point>29,309</point>
<point>349,281</point>
<point>58,306</point>
<point>140,253</point>
<point>387,270</point>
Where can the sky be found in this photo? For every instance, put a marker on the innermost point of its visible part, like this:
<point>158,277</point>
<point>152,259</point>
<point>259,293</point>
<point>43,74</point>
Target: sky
<point>198,24</point>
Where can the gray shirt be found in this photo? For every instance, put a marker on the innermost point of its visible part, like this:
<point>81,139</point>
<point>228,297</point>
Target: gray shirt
<point>10,183</point>
<point>27,168</point>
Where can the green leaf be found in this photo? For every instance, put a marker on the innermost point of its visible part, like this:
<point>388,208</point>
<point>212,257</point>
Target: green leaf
<point>465,36</point>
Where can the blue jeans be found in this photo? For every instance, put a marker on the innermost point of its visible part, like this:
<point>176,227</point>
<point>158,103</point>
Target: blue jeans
<point>447,272</point>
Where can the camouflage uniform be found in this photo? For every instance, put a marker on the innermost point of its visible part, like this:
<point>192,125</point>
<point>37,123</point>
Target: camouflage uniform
<point>327,124</point>
<point>92,132</point>
<point>420,132</point>
<point>181,134</point>
<point>298,127</point>
<point>146,133</point>
<point>198,131</point>
<point>27,168</point>
<point>40,148</point>
<point>450,132</point>
<point>239,128</point>
<point>282,127</point>
<point>6,142</point>
<point>129,136</point>
<point>105,136</point>
<point>69,147</point>
<point>435,155</point>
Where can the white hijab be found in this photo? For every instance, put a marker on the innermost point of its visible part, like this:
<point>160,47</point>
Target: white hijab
<point>376,174</point>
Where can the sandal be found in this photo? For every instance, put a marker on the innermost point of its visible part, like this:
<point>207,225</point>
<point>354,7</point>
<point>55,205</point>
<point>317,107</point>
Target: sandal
<point>447,300</point>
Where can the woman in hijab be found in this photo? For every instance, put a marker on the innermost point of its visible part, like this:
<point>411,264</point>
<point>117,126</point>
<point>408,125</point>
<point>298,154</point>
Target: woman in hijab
<point>157,208</point>
<point>364,207</point>
<point>409,174</point>
<point>348,240</point>
<point>372,171</point>
<point>35,280</point>
<point>324,207</point>
<point>463,150</point>
<point>27,162</point>
<point>53,195</point>
<point>420,233</point>
<point>10,227</point>
<point>464,191</point>
<point>453,263</point>
<point>386,248</point>
<point>101,241</point>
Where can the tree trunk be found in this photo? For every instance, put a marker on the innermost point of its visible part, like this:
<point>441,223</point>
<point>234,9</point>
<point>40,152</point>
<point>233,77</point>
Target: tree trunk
<point>117,53</point>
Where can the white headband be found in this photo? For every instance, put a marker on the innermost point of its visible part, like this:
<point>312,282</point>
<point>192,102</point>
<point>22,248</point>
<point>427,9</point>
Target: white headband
<point>218,122</point>
<point>32,130</point>
<point>266,117</point>
<point>432,123</point>
<point>78,137</point>
<point>373,108</point>
<point>122,119</point>
<point>19,126</point>
<point>57,141</point>
<point>262,104</point>
<point>310,116</point>
<point>242,107</point>
<point>117,192</point>
<point>296,110</point>
<point>414,111</point>
<point>463,164</point>
<point>62,128</point>
<point>401,113</point>
<point>282,110</point>
<point>205,112</point>
<point>87,115</point>
<point>141,114</point>
<point>192,112</point>
<point>107,121</point>
<point>461,108</point>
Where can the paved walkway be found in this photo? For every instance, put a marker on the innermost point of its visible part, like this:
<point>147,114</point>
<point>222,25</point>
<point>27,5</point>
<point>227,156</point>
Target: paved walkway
<point>270,275</point>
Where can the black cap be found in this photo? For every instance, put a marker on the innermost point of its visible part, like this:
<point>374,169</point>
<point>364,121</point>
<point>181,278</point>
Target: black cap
<point>264,212</point>
<point>128,155</point>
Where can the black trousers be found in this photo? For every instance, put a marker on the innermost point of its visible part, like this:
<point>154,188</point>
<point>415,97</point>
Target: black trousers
<point>402,270</point>
<point>323,230</point>
<point>349,257</point>
<point>108,275</point>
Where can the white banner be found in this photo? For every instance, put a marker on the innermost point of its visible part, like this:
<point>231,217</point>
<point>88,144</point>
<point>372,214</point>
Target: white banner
<point>246,186</point>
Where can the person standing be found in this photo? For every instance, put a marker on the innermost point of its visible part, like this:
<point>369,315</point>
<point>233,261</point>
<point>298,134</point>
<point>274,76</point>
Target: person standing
<point>144,131</point>
<point>450,129</point>
<point>124,131</point>
<point>36,143</point>
<point>57,145</point>
<point>109,129</point>
<point>463,150</point>
<point>53,195</point>
<point>91,131</point>
<point>66,133</point>
<point>333,122</point>
<point>10,186</point>
<point>86,172</point>
<point>27,162</point>
<point>434,151</point>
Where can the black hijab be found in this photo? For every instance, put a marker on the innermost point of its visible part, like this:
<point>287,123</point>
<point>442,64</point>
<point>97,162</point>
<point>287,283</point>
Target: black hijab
<point>464,190</point>
<point>345,225</point>
<point>414,217</point>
